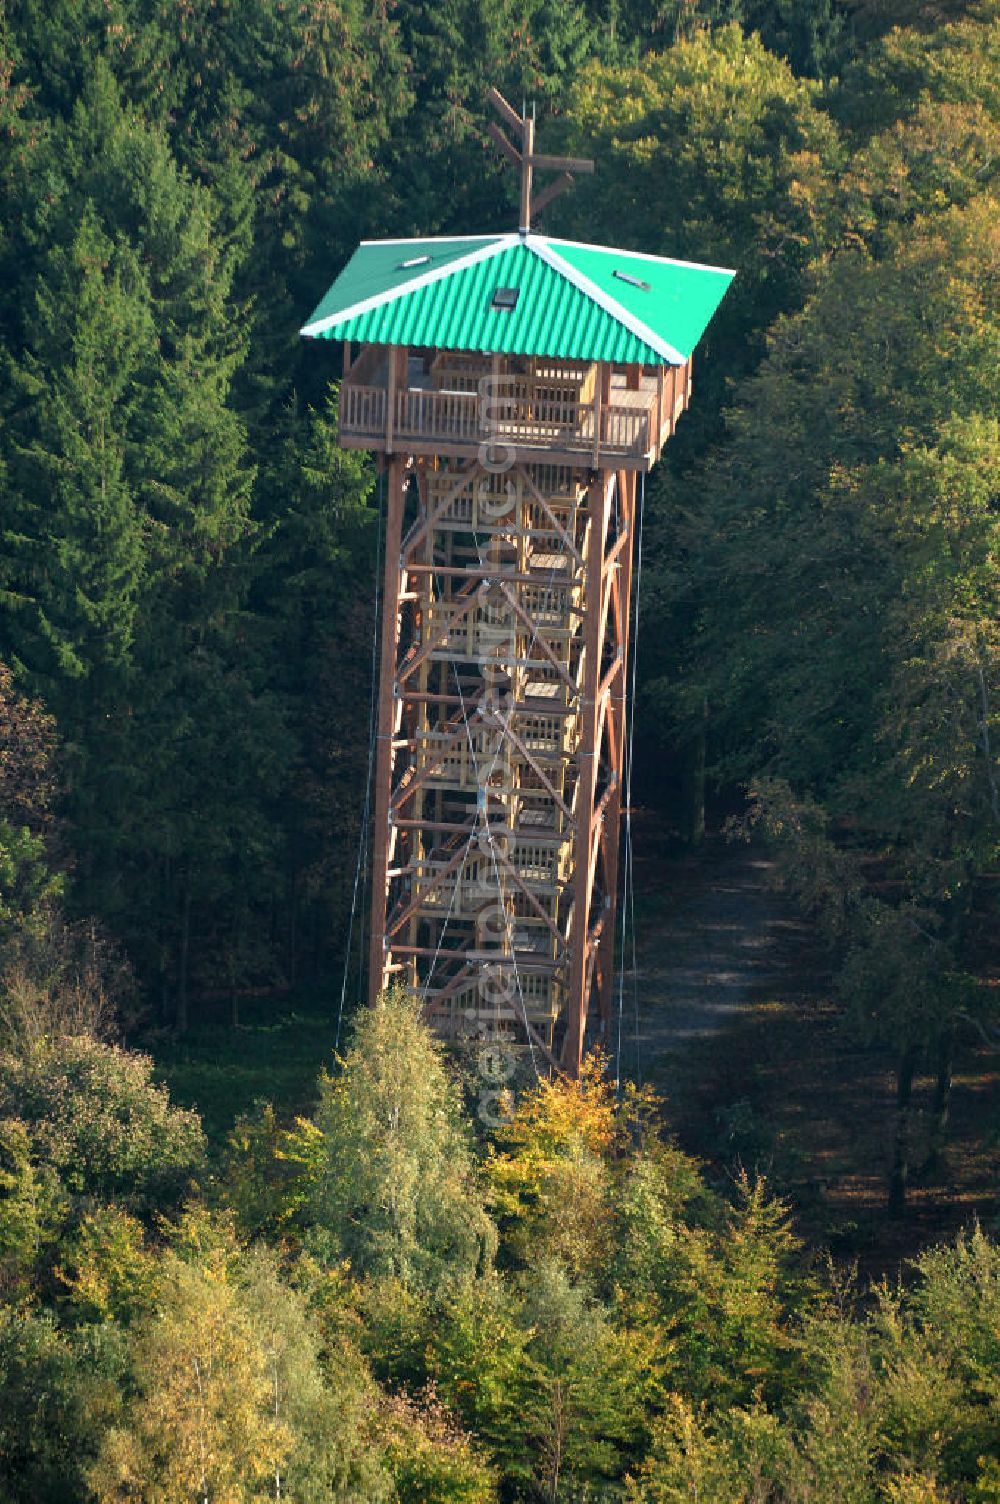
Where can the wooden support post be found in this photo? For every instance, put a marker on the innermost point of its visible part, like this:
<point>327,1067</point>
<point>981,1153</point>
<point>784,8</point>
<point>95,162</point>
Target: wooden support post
<point>383,752</point>
<point>419,702</point>
<point>390,401</point>
<point>527,150</point>
<point>615,732</point>
<point>597,511</point>
<point>598,398</point>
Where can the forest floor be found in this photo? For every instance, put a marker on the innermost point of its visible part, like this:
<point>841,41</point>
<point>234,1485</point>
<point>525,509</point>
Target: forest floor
<point>737,1027</point>
<point>275,1053</point>
<point>732,1020</point>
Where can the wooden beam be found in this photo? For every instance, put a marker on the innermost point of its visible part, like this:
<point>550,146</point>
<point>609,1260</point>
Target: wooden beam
<point>615,731</point>
<point>528,160</point>
<point>443,827</point>
<point>423,524</point>
<point>421,697</point>
<point>539,1043</point>
<point>614,669</point>
<point>435,999</point>
<point>508,867</point>
<point>535,630</point>
<point>556,524</point>
<point>538,454</point>
<point>469,598</point>
<point>605,597</point>
<point>598,394</point>
<point>383,757</point>
<point>561,164</point>
<point>549,788</point>
<point>399,919</point>
<point>544,577</point>
<point>598,508</point>
<point>621,542</point>
<point>527,964</point>
<point>510,152</point>
<point>503,109</point>
<point>566,180</point>
<point>390,402</point>
<point>527,147</point>
<point>402,795</point>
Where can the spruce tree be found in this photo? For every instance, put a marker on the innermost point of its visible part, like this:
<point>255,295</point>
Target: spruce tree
<point>128,528</point>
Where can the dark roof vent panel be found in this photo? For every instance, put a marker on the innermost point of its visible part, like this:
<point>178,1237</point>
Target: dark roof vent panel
<point>632,281</point>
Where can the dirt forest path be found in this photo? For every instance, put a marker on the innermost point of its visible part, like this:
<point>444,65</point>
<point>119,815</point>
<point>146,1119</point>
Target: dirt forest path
<point>732,1019</point>
<point>714,937</point>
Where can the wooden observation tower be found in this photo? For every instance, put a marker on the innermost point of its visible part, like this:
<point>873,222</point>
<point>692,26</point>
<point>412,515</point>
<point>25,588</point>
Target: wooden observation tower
<point>518,386</point>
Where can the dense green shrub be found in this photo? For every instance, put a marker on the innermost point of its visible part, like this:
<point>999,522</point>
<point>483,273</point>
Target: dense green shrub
<point>98,1119</point>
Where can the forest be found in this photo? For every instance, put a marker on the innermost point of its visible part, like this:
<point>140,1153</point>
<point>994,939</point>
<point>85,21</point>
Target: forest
<point>350,1288</point>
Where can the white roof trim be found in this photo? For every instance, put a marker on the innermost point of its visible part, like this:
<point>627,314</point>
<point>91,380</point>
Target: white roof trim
<point>610,250</point>
<point>438,239</point>
<point>583,283</point>
<point>492,245</point>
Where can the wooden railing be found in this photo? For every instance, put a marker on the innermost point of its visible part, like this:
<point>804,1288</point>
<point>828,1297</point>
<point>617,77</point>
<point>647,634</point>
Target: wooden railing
<point>425,419</point>
<point>362,409</point>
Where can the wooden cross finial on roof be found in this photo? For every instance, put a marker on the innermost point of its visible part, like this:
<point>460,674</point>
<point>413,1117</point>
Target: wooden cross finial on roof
<point>527,159</point>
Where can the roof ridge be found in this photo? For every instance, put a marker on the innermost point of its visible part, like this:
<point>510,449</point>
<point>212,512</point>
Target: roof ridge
<point>612,250</point>
<point>545,252</point>
<point>436,274</point>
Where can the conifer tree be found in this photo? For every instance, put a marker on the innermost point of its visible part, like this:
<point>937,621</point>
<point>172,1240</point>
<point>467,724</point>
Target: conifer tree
<point>75,550</point>
<point>121,436</point>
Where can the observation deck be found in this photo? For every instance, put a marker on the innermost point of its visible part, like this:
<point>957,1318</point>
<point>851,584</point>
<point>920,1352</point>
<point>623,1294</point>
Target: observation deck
<point>592,415</point>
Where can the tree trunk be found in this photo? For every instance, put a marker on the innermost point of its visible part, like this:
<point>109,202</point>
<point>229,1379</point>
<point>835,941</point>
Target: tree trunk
<point>694,784</point>
<point>293,930</point>
<point>900,1173</point>
<point>182,971</point>
<point>237,961</point>
<point>941,1102</point>
<point>167,1006</point>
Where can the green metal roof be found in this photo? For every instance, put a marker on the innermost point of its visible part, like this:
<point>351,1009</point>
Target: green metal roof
<point>684,296</point>
<point>379,266</point>
<point>576,302</point>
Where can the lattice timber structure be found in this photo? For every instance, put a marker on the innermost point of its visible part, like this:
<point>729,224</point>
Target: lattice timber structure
<point>518,388</point>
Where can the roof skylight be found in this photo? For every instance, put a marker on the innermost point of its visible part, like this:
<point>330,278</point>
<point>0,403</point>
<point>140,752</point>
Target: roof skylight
<point>505,297</point>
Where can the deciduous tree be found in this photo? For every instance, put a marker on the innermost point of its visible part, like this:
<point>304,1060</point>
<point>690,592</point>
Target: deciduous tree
<point>395,1183</point>
<point>201,1422</point>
